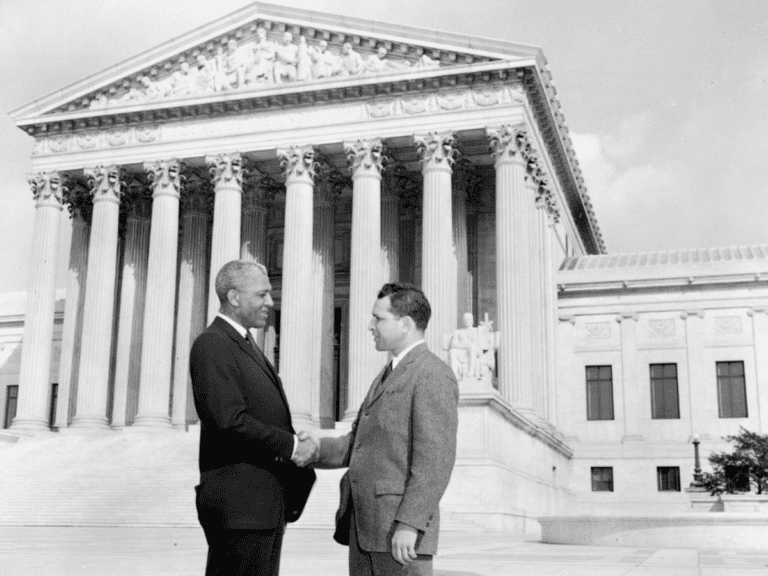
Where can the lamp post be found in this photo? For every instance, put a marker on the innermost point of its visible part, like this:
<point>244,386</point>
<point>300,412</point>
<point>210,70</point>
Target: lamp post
<point>697,485</point>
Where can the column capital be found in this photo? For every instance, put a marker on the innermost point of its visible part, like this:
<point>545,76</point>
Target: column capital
<point>298,163</point>
<point>77,198</point>
<point>165,177</point>
<point>395,180</point>
<point>436,149</point>
<point>328,184</point>
<point>197,196</point>
<point>365,157</point>
<point>509,142</point>
<point>138,199</point>
<point>106,183</point>
<point>48,188</point>
<point>226,168</point>
<point>467,179</point>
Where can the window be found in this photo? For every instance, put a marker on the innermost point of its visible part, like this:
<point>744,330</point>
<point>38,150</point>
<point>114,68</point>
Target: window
<point>731,390</point>
<point>668,478</point>
<point>11,398</point>
<point>54,402</point>
<point>664,400</point>
<point>602,479</point>
<point>599,393</point>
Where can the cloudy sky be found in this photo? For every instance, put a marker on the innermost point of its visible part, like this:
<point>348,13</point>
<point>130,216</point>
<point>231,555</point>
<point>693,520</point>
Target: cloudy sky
<point>667,101</point>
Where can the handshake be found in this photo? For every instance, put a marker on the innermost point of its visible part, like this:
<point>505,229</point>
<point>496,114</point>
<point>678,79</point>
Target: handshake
<point>307,450</point>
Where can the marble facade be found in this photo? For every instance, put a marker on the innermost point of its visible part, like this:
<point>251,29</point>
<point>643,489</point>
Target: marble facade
<point>342,154</point>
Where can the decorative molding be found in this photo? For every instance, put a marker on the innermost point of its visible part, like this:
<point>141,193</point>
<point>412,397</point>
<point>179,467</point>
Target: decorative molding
<point>436,149</point>
<point>226,168</point>
<point>598,329</point>
<point>728,324</point>
<point>165,178</point>
<point>508,141</point>
<point>662,327</point>
<point>48,188</point>
<point>627,316</point>
<point>690,313</point>
<point>105,182</point>
<point>365,156</point>
<point>297,161</point>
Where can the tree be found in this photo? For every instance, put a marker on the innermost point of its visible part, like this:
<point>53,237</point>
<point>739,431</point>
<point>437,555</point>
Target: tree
<point>744,469</point>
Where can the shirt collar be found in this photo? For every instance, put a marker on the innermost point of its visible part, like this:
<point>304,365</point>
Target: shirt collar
<point>396,360</point>
<point>240,330</point>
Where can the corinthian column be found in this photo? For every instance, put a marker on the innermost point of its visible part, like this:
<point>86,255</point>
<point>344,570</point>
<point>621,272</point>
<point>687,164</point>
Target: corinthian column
<point>438,266</point>
<point>71,333</point>
<point>296,308</point>
<point>98,315</point>
<point>132,298</point>
<point>35,371</point>
<point>550,304</point>
<point>254,232</point>
<point>365,158</point>
<point>227,170</point>
<point>323,288</point>
<point>390,224</point>
<point>190,315</point>
<point>536,186</point>
<point>466,182</point>
<point>513,266</point>
<point>157,339</point>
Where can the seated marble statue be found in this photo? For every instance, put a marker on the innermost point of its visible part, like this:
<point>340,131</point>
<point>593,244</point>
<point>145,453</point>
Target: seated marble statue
<point>286,59</point>
<point>471,350</point>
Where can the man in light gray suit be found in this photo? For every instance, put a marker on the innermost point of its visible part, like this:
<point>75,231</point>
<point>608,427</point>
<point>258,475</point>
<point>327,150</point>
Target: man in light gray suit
<point>401,449</point>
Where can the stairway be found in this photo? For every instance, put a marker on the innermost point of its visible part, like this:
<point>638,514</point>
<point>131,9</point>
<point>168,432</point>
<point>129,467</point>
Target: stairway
<point>126,478</point>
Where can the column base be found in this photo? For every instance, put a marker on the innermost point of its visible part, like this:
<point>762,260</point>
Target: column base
<point>152,421</point>
<point>90,421</point>
<point>29,426</point>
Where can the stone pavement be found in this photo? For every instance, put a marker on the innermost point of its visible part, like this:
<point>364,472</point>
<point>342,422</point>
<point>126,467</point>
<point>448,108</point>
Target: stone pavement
<point>168,551</point>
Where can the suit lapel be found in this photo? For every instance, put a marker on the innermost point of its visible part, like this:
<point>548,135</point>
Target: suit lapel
<point>378,388</point>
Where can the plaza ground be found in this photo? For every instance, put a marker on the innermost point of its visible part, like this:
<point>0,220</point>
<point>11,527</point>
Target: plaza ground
<point>172,551</point>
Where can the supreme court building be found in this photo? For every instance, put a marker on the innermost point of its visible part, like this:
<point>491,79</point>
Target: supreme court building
<point>343,154</point>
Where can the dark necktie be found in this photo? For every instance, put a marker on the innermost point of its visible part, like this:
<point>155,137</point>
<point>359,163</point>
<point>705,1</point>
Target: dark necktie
<point>387,372</point>
<point>251,341</point>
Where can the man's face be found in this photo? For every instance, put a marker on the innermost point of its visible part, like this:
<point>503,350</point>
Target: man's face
<point>388,330</point>
<point>469,320</point>
<point>254,300</point>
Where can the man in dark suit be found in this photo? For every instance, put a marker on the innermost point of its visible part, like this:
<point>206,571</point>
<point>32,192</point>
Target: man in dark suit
<point>249,487</point>
<point>401,449</point>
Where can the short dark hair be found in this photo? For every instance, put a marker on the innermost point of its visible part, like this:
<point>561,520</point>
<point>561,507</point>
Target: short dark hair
<point>408,300</point>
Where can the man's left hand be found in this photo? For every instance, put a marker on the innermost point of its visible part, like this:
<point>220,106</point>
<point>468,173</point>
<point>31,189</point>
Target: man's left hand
<point>404,544</point>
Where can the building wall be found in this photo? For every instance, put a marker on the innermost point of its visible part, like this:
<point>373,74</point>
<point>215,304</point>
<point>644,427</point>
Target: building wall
<point>693,328</point>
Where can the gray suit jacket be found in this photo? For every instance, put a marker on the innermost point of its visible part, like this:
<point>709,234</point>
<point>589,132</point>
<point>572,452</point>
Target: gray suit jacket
<point>400,453</point>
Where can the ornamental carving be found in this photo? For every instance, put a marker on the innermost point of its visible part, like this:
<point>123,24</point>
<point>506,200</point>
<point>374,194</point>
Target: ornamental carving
<point>47,187</point>
<point>662,327</point>
<point>198,197</point>
<point>598,329</point>
<point>436,148</point>
<point>467,179</point>
<point>257,63</point>
<point>297,161</point>
<point>78,200</point>
<point>365,156</point>
<point>105,182</point>
<point>728,324</point>
<point>138,200</point>
<point>165,176</point>
<point>226,168</point>
<point>508,141</point>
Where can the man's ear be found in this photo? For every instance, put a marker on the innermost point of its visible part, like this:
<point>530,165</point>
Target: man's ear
<point>233,297</point>
<point>408,324</point>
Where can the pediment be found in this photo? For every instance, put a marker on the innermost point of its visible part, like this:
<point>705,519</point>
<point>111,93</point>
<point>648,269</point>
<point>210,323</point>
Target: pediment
<point>264,47</point>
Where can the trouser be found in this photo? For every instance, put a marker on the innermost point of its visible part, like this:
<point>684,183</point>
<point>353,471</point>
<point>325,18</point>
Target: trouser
<point>245,552</point>
<point>362,563</point>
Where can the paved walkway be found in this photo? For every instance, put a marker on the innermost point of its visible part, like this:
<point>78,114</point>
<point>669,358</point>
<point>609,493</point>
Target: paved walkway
<point>48,551</point>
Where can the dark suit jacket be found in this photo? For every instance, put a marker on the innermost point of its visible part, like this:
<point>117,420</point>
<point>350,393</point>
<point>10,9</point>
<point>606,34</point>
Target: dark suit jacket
<point>246,436</point>
<point>400,453</point>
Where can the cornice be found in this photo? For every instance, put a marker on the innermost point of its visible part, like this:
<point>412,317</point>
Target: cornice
<point>760,279</point>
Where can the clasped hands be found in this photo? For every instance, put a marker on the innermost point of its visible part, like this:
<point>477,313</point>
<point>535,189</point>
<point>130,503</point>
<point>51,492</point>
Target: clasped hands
<point>307,450</point>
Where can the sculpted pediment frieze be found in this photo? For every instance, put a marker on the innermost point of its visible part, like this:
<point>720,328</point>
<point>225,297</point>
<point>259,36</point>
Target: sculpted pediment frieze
<point>266,54</point>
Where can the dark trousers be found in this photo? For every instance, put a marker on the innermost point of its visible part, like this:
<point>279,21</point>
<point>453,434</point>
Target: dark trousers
<point>245,553</point>
<point>363,563</point>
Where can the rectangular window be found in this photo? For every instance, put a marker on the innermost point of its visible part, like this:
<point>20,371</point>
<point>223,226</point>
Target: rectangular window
<point>664,399</point>
<point>731,390</point>
<point>599,393</point>
<point>668,478</point>
<point>11,398</point>
<point>54,402</point>
<point>602,479</point>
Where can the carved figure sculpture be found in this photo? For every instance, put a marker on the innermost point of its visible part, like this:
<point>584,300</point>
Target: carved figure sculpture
<point>325,63</point>
<point>303,61</point>
<point>263,59</point>
<point>286,58</point>
<point>471,350</point>
<point>206,73</point>
<point>351,61</point>
<point>233,66</point>
<point>184,81</point>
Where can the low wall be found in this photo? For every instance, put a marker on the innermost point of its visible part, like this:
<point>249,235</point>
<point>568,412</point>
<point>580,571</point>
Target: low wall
<point>721,530</point>
<point>509,469</point>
